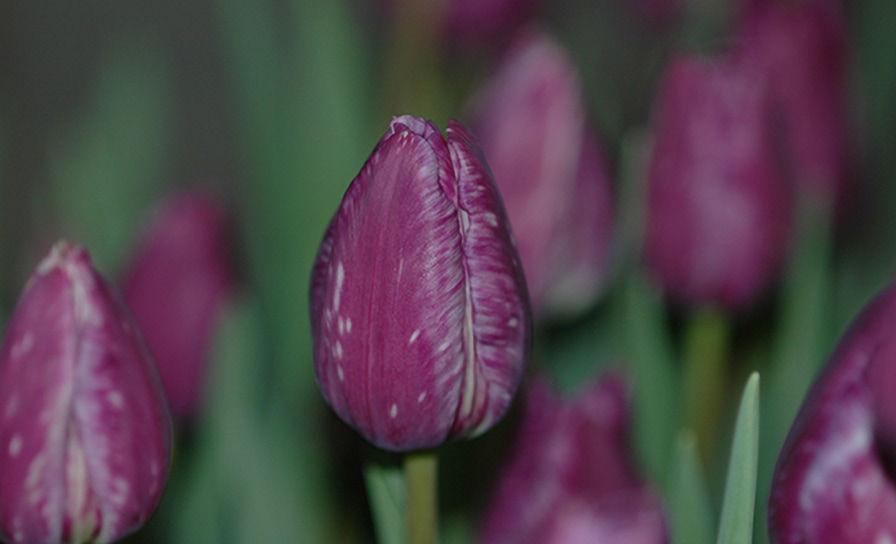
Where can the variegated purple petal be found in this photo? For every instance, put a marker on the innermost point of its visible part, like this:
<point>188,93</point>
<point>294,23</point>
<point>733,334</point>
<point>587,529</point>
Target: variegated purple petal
<point>85,430</point>
<point>183,254</point>
<point>570,473</point>
<point>719,210</point>
<point>833,482</point>
<point>553,180</point>
<point>414,294</point>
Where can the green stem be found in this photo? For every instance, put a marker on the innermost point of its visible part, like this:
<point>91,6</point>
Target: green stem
<point>421,479</point>
<point>706,347</point>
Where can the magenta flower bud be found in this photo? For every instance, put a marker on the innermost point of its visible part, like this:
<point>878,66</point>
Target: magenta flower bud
<point>551,173</point>
<point>718,209</point>
<point>85,433</point>
<point>833,481</point>
<point>184,256</point>
<point>802,48</point>
<point>418,304</point>
<point>570,477</point>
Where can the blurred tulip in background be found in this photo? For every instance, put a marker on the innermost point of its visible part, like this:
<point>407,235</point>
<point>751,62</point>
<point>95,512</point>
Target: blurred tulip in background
<point>571,477</point>
<point>719,208</point>
<point>85,429</point>
<point>551,172</point>
<point>179,278</point>
<point>801,47</point>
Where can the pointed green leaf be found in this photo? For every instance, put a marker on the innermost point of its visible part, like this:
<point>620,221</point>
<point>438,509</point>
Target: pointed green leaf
<point>736,523</point>
<point>388,502</point>
<point>688,505</point>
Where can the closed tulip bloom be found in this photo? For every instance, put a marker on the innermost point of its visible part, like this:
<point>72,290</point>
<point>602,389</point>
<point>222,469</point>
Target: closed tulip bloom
<point>176,284</point>
<point>418,304</point>
<point>84,426</point>
<point>570,477</point>
<point>833,481</point>
<point>801,46</point>
<point>719,210</point>
<point>551,173</point>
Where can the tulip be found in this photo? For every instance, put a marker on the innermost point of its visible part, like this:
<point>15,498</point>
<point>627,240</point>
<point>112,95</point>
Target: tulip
<point>570,477</point>
<point>85,430</point>
<point>176,285</point>
<point>833,481</point>
<point>551,173</point>
<point>801,47</point>
<point>418,304</point>
<point>718,209</point>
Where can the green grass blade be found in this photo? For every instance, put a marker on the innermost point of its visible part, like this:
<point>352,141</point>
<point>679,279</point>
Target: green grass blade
<point>388,502</point>
<point>689,507</point>
<point>657,381</point>
<point>738,505</point>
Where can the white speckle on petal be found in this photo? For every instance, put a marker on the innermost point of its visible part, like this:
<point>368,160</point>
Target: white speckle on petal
<point>883,538</point>
<point>491,219</point>
<point>340,280</point>
<point>512,322</point>
<point>116,399</point>
<point>444,346</point>
<point>421,397</point>
<point>348,325</point>
<point>337,350</point>
<point>414,336</point>
<point>393,411</point>
<point>23,346</point>
<point>15,445</point>
<point>340,373</point>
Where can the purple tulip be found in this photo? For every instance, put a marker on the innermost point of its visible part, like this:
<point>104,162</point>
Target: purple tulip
<point>570,477</point>
<point>833,482</point>
<point>719,211</point>
<point>551,173</point>
<point>802,48</point>
<point>85,430</point>
<point>184,257</point>
<point>418,304</point>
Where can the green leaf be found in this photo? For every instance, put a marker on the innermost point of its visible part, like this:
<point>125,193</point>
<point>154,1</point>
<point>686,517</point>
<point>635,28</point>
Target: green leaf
<point>388,502</point>
<point>736,523</point>
<point>241,484</point>
<point>111,163</point>
<point>657,381</point>
<point>687,498</point>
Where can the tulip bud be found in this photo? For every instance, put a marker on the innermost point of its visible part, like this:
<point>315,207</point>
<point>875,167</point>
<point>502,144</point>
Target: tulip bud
<point>418,304</point>
<point>833,482</point>
<point>180,276</point>
<point>551,174</point>
<point>570,478</point>
<point>802,49</point>
<point>718,211</point>
<point>85,430</point>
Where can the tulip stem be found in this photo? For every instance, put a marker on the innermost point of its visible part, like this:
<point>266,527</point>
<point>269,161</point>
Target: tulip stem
<point>421,479</point>
<point>706,345</point>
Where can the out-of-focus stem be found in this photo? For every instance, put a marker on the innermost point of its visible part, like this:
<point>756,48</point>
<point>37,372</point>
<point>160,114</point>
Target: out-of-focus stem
<point>421,478</point>
<point>705,356</point>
